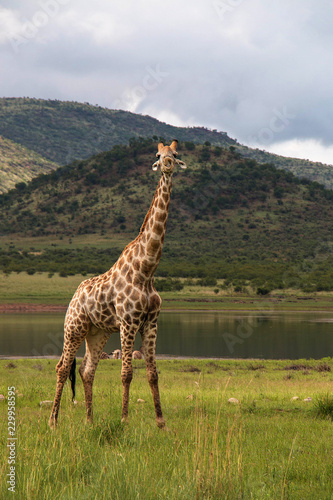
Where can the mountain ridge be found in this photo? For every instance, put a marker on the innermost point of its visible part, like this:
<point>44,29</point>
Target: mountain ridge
<point>64,131</point>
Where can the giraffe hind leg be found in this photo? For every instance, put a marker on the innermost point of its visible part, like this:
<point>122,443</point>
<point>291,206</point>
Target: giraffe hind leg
<point>63,369</point>
<point>75,331</point>
<point>95,341</point>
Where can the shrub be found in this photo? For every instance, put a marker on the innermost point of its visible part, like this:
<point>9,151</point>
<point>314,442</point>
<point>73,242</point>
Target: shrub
<point>324,406</point>
<point>168,285</point>
<point>208,281</point>
<point>190,146</point>
<point>205,155</point>
<point>20,186</point>
<point>323,367</point>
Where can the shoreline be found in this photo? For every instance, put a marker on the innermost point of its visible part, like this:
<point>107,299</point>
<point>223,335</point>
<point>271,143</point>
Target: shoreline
<point>25,307</point>
<point>163,357</point>
<point>158,357</point>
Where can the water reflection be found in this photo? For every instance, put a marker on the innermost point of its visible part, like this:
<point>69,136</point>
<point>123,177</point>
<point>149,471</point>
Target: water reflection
<point>207,334</point>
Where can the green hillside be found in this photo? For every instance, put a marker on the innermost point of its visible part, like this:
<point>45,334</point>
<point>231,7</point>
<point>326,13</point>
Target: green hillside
<point>230,218</point>
<point>17,164</point>
<point>314,171</point>
<point>66,131</point>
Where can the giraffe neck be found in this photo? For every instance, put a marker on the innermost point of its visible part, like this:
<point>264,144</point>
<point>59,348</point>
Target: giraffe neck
<point>152,232</point>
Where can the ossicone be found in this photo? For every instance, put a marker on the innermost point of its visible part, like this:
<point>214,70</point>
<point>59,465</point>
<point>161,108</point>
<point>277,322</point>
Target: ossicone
<point>173,147</point>
<point>159,148</point>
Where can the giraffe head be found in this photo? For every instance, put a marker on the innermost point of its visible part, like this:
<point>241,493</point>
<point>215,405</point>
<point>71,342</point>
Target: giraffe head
<point>167,158</point>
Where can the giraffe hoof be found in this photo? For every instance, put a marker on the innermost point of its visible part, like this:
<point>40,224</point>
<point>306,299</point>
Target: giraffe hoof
<point>160,423</point>
<point>125,420</point>
<point>52,424</point>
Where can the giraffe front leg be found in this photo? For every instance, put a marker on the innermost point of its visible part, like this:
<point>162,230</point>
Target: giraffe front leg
<point>127,342</point>
<point>149,347</point>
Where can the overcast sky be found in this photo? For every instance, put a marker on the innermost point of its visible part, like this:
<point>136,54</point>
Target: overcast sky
<point>259,70</point>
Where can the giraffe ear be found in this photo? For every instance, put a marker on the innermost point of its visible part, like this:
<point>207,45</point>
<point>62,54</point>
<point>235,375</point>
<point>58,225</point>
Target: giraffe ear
<point>155,165</point>
<point>181,164</point>
<point>160,147</point>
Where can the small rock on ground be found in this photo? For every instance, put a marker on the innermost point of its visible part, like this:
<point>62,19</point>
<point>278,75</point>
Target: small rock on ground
<point>233,401</point>
<point>46,403</point>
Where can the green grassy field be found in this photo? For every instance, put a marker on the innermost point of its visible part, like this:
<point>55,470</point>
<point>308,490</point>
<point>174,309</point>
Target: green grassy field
<point>42,289</point>
<point>265,447</point>
<point>38,288</point>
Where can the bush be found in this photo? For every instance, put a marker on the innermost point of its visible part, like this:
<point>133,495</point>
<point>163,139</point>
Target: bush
<point>208,281</point>
<point>205,155</point>
<point>190,146</point>
<point>20,186</point>
<point>263,291</point>
<point>168,285</point>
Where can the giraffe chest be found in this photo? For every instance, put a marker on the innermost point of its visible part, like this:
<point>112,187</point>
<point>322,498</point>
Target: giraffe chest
<point>104,317</point>
<point>137,305</point>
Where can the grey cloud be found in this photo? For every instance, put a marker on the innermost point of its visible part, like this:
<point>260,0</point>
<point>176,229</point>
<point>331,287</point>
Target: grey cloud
<point>229,65</point>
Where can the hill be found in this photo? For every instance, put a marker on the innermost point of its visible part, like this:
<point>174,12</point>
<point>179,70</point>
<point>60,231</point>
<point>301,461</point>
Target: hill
<point>314,171</point>
<point>18,164</point>
<point>65,131</point>
<point>230,218</point>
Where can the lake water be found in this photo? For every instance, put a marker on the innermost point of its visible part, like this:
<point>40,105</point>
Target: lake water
<point>204,334</point>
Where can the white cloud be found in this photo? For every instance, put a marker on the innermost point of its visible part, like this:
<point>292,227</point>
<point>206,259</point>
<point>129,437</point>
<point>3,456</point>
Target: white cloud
<point>9,24</point>
<point>168,117</point>
<point>310,149</point>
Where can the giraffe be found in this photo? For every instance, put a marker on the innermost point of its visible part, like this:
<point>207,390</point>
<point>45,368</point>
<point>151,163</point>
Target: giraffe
<point>123,300</point>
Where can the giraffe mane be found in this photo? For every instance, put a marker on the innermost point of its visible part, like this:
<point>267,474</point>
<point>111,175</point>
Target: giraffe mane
<point>148,213</point>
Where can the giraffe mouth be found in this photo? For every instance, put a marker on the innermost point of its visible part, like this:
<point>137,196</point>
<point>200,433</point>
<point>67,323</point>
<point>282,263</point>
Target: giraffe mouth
<point>167,164</point>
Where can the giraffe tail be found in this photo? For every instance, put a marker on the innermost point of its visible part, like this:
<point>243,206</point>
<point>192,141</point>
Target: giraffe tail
<point>72,378</point>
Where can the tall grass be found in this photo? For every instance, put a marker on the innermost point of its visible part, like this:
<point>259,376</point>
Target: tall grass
<point>266,447</point>
<point>324,406</point>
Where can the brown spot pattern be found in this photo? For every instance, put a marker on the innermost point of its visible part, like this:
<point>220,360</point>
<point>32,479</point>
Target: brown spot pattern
<point>122,299</point>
